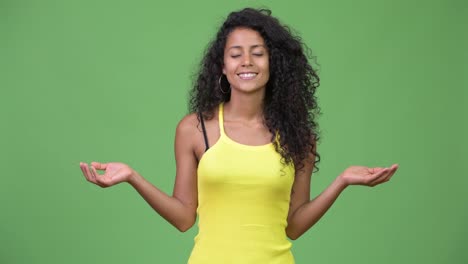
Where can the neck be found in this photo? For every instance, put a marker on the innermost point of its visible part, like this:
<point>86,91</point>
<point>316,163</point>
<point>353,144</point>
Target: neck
<point>248,107</point>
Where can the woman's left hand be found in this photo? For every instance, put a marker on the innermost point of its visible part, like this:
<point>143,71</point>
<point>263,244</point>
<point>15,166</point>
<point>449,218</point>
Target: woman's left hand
<point>360,175</point>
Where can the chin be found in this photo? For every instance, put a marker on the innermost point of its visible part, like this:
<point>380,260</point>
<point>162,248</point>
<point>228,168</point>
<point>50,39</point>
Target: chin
<point>250,90</point>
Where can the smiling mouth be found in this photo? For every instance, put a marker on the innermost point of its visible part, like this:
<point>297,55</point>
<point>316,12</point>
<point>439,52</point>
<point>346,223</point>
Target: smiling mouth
<point>247,75</point>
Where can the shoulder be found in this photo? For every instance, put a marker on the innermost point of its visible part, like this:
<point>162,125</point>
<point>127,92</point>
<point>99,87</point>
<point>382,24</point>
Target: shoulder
<point>188,126</point>
<point>189,136</point>
<point>188,122</point>
<point>186,135</point>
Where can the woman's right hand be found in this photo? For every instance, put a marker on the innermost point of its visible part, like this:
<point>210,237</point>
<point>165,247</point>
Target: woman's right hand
<point>114,173</point>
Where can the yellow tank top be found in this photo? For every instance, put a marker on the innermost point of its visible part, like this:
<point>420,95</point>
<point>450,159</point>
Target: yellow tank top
<point>243,202</point>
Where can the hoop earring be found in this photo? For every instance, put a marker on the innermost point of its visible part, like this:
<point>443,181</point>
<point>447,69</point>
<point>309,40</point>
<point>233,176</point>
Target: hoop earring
<point>220,86</point>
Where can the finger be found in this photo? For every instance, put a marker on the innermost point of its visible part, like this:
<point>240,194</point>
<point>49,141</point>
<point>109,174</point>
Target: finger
<point>378,176</point>
<point>90,175</point>
<point>99,166</point>
<point>376,170</point>
<point>95,174</point>
<point>100,181</point>
<point>94,171</point>
<point>391,174</point>
<point>83,170</point>
<point>379,180</point>
<point>385,177</point>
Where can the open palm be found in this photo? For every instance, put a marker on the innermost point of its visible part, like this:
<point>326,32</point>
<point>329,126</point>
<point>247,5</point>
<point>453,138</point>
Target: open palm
<point>360,175</point>
<point>114,173</point>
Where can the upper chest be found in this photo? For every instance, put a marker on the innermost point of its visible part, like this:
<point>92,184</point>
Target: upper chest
<point>248,134</point>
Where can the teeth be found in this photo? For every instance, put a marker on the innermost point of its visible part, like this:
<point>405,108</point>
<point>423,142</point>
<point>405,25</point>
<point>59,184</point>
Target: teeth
<point>247,75</point>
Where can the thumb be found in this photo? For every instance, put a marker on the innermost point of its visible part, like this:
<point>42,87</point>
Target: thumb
<point>99,166</point>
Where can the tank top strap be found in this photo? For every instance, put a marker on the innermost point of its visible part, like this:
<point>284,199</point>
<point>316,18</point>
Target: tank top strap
<point>221,119</point>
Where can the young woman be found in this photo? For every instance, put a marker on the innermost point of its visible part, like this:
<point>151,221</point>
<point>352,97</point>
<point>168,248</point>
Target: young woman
<point>246,153</point>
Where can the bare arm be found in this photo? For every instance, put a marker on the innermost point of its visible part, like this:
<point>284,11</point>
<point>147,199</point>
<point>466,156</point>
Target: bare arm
<point>304,213</point>
<point>178,209</point>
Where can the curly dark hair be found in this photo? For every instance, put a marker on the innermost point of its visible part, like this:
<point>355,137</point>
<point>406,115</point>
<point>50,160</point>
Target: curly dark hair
<point>290,104</point>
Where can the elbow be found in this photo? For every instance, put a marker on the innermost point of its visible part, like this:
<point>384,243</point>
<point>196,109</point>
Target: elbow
<point>293,235</point>
<point>186,225</point>
<point>184,228</point>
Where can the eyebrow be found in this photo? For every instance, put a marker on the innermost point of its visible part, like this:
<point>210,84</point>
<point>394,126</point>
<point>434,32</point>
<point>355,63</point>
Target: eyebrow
<point>251,47</point>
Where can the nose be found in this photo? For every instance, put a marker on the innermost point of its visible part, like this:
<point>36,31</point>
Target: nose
<point>247,60</point>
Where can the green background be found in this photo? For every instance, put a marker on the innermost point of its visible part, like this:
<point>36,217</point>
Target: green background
<point>108,81</point>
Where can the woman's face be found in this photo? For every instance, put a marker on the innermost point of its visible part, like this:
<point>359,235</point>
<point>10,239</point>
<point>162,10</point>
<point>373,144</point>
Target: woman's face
<point>246,64</point>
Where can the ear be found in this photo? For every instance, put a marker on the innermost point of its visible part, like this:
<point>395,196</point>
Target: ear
<point>224,70</point>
